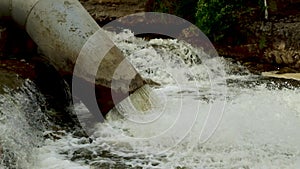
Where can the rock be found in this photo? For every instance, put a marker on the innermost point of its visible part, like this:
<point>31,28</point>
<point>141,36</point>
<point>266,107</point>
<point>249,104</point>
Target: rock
<point>257,68</point>
<point>276,40</point>
<point>292,76</point>
<point>286,70</point>
<point>13,74</point>
<point>283,57</point>
<point>82,154</point>
<point>298,65</point>
<point>240,52</point>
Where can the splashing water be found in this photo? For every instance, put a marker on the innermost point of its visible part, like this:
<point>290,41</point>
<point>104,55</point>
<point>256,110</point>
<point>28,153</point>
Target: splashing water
<point>259,128</point>
<point>22,123</point>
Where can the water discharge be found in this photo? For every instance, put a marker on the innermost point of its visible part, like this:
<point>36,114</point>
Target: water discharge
<point>259,128</point>
<point>22,123</point>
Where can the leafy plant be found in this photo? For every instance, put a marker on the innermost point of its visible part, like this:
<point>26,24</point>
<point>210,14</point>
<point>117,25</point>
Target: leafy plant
<point>216,18</point>
<point>220,18</point>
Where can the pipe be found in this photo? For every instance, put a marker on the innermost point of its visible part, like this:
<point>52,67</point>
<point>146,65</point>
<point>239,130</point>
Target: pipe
<point>61,29</point>
<point>266,9</point>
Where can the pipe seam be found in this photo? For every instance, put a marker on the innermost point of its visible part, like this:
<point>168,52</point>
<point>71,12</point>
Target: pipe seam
<point>21,10</point>
<point>30,12</point>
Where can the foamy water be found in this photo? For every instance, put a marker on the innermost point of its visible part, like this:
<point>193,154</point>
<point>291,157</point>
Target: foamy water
<point>22,123</point>
<point>259,127</point>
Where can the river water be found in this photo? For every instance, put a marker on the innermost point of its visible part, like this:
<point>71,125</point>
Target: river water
<point>255,121</point>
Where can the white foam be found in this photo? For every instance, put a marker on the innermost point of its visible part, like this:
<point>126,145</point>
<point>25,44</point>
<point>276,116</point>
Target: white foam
<point>48,157</point>
<point>21,125</point>
<point>259,129</point>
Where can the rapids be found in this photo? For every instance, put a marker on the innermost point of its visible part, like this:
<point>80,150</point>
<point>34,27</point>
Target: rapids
<point>254,122</point>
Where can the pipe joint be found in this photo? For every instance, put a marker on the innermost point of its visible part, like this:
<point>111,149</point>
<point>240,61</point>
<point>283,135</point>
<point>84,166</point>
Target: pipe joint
<point>18,10</point>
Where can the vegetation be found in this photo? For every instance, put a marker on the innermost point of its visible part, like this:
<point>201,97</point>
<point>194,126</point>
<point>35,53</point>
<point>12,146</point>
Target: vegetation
<point>218,19</point>
<point>182,8</point>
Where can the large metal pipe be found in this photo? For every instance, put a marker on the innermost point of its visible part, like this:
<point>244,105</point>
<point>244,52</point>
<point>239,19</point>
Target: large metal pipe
<point>61,29</point>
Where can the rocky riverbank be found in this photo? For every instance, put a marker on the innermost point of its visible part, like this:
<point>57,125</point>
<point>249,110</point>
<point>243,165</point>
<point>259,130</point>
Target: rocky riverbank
<point>271,45</point>
<point>274,42</point>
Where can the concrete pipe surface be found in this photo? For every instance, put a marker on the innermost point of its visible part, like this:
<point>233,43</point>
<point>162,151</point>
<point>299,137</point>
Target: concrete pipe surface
<point>62,29</point>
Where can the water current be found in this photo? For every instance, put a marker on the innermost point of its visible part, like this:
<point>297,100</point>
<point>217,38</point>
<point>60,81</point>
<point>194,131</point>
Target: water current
<point>201,113</point>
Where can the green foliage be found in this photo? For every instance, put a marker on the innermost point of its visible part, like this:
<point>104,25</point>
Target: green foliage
<point>164,6</point>
<point>220,20</point>
<point>217,18</point>
<point>262,42</point>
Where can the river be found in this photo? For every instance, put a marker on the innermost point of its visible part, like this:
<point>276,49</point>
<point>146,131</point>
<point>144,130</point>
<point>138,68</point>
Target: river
<point>254,121</point>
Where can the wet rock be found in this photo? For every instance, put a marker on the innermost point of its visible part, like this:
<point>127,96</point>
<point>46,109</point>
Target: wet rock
<point>287,70</point>
<point>51,84</point>
<point>82,154</point>
<point>13,74</point>
<point>9,80</point>
<point>257,68</point>
<point>97,165</point>
<point>57,93</point>
<point>54,135</point>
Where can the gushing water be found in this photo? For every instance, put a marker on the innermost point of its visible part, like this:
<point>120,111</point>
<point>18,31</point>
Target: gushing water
<point>172,127</point>
<point>22,124</point>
